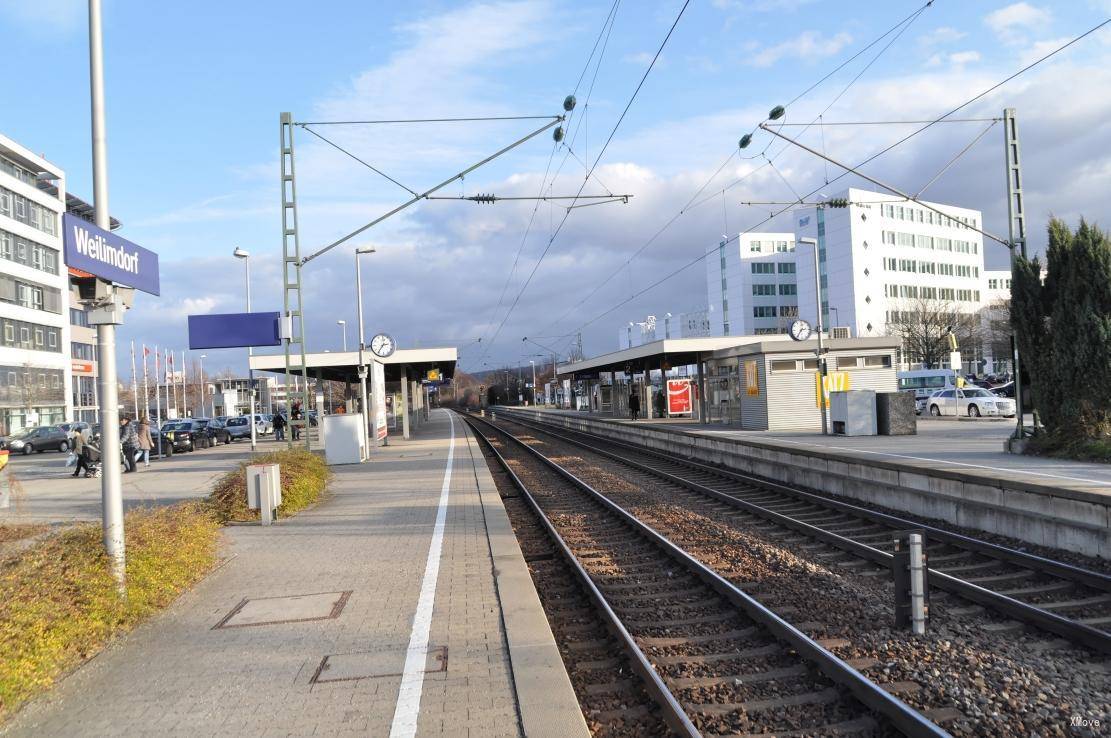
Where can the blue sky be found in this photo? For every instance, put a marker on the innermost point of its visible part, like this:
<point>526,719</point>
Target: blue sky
<point>194,92</point>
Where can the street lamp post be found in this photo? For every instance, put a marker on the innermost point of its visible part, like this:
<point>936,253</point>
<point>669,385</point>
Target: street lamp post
<point>204,388</point>
<point>533,362</point>
<point>246,257</point>
<point>370,413</point>
<point>821,350</point>
<point>343,326</point>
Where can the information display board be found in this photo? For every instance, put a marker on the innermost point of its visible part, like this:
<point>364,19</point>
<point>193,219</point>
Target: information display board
<point>378,388</point>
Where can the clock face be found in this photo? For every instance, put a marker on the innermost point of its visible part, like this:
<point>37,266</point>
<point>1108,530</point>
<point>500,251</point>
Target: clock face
<point>382,345</point>
<point>800,330</point>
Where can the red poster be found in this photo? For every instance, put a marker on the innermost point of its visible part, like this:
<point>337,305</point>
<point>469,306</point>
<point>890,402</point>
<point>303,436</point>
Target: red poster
<point>678,397</point>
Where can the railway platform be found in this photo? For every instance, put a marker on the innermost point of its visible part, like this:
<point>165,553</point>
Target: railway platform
<point>954,471</point>
<point>401,605</point>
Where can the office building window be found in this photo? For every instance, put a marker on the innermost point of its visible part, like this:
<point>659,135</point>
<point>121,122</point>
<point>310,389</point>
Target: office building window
<point>786,267</point>
<point>29,253</point>
<point>763,268</point>
<point>21,334</point>
<point>27,211</point>
<point>763,289</point>
<point>788,289</point>
<point>763,311</point>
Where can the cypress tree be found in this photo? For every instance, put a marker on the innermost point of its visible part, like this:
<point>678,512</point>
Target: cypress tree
<point>1063,328</point>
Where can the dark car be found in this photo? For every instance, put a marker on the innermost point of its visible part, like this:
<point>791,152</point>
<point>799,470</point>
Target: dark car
<point>212,431</point>
<point>177,435</point>
<point>43,438</point>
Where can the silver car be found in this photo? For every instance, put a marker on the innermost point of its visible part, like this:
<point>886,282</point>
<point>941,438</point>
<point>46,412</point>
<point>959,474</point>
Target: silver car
<point>971,401</point>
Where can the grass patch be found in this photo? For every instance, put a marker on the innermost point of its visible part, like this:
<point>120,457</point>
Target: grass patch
<point>303,473</point>
<point>10,532</point>
<point>58,602</point>
<point>1077,449</point>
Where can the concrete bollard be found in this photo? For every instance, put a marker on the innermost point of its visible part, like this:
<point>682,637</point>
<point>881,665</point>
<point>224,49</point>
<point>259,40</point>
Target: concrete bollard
<point>264,490</point>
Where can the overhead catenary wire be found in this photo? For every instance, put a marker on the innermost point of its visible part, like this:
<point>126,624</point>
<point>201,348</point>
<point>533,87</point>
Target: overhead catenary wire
<point>899,28</point>
<point>369,166</point>
<point>607,24</point>
<point>928,124</point>
<point>423,120</point>
<point>601,153</point>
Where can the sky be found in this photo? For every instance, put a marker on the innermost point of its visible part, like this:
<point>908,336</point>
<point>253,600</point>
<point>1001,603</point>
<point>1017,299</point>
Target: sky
<point>194,92</point>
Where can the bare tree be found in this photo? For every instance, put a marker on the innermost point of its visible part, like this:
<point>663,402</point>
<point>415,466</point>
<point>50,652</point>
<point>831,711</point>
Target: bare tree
<point>923,325</point>
<point>995,324</point>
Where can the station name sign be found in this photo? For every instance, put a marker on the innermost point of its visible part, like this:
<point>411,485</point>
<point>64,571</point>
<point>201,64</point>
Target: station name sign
<point>108,256</point>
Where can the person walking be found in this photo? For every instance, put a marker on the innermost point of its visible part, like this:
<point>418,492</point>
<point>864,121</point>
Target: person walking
<point>81,453</point>
<point>661,404</point>
<point>279,427</point>
<point>295,416</point>
<point>146,443</point>
<point>129,441</point>
<point>634,405</point>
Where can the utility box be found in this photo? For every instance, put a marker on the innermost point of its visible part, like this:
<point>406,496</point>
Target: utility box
<point>264,490</point>
<point>344,439</point>
<point>895,414</point>
<point>853,412</point>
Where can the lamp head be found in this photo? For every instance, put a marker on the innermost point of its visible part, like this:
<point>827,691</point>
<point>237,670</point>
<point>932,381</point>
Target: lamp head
<point>366,250</point>
<point>240,253</point>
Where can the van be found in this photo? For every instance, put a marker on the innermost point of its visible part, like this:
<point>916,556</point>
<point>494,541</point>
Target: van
<point>924,382</point>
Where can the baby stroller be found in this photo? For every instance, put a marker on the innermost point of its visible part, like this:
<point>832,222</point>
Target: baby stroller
<point>92,458</point>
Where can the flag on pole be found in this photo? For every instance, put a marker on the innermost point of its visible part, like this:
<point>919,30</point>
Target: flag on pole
<point>134,382</point>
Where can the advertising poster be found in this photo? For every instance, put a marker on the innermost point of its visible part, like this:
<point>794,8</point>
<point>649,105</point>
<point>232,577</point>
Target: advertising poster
<point>378,389</point>
<point>835,382</point>
<point>752,379</point>
<point>679,397</point>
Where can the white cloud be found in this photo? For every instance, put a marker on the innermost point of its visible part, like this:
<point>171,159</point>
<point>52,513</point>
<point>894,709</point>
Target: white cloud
<point>642,58</point>
<point>941,36</point>
<point>807,45</point>
<point>42,18</point>
<point>761,6</point>
<point>964,57</point>
<point>1009,22</point>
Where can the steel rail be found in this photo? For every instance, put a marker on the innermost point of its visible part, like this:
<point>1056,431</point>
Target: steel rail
<point>673,712</point>
<point>1077,632</point>
<point>905,718</point>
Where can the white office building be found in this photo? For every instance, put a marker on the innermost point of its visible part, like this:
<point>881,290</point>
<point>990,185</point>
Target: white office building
<point>878,256</point>
<point>35,369</point>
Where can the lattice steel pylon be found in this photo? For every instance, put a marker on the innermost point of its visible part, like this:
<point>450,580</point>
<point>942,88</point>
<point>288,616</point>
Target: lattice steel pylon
<point>291,290</point>
<point>1016,221</point>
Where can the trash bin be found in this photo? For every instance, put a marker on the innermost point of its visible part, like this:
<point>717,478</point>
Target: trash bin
<point>895,414</point>
<point>853,412</point>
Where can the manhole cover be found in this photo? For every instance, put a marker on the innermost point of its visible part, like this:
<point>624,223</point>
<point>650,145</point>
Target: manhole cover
<point>293,609</point>
<point>346,667</point>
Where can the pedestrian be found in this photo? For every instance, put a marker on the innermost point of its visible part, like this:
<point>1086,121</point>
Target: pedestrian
<point>82,454</point>
<point>661,404</point>
<point>634,405</point>
<point>146,443</point>
<point>294,418</point>
<point>129,441</point>
<point>279,427</point>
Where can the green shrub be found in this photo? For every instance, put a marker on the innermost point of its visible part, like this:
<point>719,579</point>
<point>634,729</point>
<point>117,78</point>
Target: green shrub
<point>304,476</point>
<point>59,604</point>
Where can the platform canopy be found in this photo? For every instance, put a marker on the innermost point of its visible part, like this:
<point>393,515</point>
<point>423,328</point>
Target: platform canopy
<point>343,366</point>
<point>670,351</point>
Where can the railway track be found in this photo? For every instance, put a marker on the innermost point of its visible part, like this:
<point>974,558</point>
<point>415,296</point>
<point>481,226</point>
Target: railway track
<point>1057,597</point>
<point>715,660</point>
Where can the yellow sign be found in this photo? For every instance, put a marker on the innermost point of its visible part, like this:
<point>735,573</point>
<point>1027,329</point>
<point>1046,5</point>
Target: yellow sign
<point>834,382</point>
<point>433,375</point>
<point>752,379</point>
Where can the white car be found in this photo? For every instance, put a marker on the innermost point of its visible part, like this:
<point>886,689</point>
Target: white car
<point>263,427</point>
<point>970,401</point>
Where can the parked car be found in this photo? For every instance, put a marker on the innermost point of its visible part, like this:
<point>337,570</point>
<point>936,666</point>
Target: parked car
<point>42,438</point>
<point>970,401</point>
<point>263,426</point>
<point>238,428</point>
<point>74,427</point>
<point>213,431</point>
<point>179,434</point>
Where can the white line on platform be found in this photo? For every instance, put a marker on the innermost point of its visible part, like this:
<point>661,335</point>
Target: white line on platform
<point>412,679</point>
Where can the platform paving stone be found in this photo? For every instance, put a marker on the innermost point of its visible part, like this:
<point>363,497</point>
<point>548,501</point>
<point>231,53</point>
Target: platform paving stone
<point>181,675</point>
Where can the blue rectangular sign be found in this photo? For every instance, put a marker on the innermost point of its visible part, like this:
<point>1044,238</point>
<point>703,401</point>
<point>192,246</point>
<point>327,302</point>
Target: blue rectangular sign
<point>104,254</point>
<point>233,330</point>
